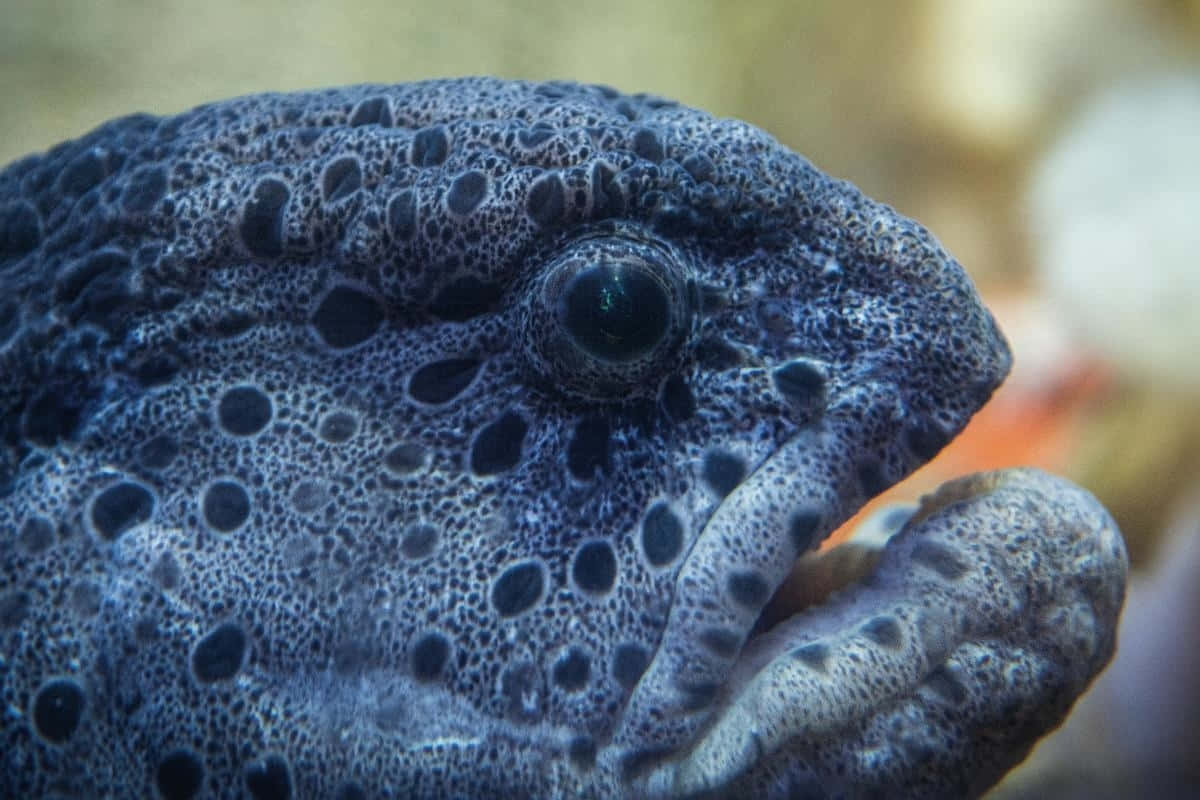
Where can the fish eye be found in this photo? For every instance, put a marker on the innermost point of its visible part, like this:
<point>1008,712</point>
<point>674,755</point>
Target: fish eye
<point>615,311</point>
<point>608,316</point>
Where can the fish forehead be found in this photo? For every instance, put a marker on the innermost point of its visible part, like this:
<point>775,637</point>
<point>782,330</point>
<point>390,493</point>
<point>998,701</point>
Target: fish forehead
<point>273,402</point>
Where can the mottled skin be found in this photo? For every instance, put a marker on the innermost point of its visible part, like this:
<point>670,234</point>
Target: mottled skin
<point>447,439</point>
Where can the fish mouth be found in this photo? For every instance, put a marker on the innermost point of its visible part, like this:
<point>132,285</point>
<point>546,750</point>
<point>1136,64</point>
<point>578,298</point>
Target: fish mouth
<point>934,659</point>
<point>818,576</point>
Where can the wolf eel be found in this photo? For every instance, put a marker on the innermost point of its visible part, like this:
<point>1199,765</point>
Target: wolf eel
<point>448,439</point>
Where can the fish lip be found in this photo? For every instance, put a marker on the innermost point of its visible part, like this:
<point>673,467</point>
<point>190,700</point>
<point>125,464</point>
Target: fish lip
<point>1009,554</point>
<point>843,567</point>
<point>848,565</point>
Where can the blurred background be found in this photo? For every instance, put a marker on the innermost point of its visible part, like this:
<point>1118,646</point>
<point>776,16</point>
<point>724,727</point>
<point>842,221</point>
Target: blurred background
<point>1052,145</point>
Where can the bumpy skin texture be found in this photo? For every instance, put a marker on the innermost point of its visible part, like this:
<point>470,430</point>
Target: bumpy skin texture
<point>333,463</point>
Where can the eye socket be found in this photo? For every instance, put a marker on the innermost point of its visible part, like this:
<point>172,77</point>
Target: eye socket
<point>615,311</point>
<point>608,316</point>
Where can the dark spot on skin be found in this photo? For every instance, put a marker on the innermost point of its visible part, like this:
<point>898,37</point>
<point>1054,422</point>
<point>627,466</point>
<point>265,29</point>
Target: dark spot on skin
<point>588,449</point>
<point>524,688</point>
<point>156,370</point>
<point>262,219</point>
<point>529,138</point>
<point>347,317</point>
<point>518,588</point>
<point>36,536</point>
<point>466,192</point>
<point>647,145</point>
<point>179,775</point>
<point>872,479</point>
<point>946,684</point>
<point>464,298</point>
<point>803,528</point>
<point>57,709</point>
<point>338,427</point>
<point>883,631</point>
<point>572,671</point>
<point>582,751</point>
<point>801,383</point>
<point>418,541</point>
<point>121,507</point>
<point>547,200</point>
<point>430,146</point>
<point>748,589</point>
<point>939,558</point>
<point>662,535</point>
<point>925,439</point>
<point>699,166</point>
<point>429,656</point>
<point>697,696</point>
<point>723,471</point>
<point>404,459</point>
<point>677,399</point>
<point>441,381</point>
<point>629,662</point>
<point>49,418</point>
<point>595,567</point>
<point>14,607</point>
<point>402,214</point>
<point>372,111</point>
<point>219,655</point>
<point>814,655</point>
<point>342,178</point>
<point>20,229</point>
<point>234,322</point>
<point>724,643</point>
<point>269,779</point>
<point>244,411</point>
<point>497,447</point>
<point>146,187</point>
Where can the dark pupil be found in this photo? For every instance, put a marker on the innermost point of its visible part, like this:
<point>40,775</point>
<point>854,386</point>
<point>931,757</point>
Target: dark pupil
<point>615,312</point>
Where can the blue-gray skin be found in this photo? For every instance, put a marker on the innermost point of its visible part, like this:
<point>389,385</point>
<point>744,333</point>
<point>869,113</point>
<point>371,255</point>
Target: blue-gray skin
<point>447,439</point>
